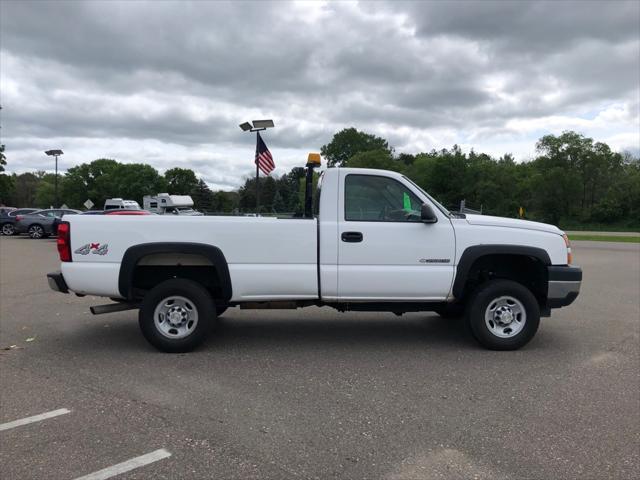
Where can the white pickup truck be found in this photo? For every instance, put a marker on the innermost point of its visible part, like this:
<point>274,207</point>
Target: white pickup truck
<point>375,242</point>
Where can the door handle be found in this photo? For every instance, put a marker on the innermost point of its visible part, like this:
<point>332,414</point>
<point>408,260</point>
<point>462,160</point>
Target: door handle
<point>351,237</point>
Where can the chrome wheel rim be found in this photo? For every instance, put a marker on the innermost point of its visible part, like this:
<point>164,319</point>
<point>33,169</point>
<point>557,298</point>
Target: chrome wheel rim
<point>505,316</point>
<point>35,232</point>
<point>7,229</point>
<point>175,317</point>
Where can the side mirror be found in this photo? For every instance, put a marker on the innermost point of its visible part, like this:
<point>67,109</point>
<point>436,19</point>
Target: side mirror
<point>427,215</point>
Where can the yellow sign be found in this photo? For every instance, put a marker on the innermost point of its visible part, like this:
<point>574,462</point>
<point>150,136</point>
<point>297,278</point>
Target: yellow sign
<point>521,212</point>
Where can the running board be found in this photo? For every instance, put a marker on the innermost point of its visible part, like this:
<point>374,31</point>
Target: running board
<point>113,307</point>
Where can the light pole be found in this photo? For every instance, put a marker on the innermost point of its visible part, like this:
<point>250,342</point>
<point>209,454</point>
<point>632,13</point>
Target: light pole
<point>56,154</point>
<point>258,125</point>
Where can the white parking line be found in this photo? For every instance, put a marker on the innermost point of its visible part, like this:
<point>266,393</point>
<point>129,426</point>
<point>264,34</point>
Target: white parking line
<point>123,467</point>
<point>35,418</point>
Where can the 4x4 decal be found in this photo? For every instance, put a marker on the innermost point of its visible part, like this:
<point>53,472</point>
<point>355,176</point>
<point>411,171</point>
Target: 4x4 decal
<point>95,248</point>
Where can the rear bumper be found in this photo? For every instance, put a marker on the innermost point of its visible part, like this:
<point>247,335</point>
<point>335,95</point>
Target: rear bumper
<point>57,283</point>
<point>564,285</point>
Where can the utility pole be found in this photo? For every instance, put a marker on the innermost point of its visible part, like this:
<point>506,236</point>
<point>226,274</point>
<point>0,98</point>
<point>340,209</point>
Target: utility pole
<point>56,154</point>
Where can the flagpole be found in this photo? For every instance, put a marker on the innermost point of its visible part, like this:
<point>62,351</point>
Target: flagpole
<point>257,179</point>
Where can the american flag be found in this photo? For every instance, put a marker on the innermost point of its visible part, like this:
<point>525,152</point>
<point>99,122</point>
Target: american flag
<point>264,160</point>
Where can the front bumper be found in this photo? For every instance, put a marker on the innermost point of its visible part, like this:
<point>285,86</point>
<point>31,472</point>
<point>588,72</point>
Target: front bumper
<point>57,283</point>
<point>564,285</point>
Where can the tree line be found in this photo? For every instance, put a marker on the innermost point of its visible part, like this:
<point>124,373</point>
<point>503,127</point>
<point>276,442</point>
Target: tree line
<point>573,180</point>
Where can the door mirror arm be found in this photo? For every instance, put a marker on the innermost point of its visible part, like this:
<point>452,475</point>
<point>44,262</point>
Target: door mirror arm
<point>427,215</point>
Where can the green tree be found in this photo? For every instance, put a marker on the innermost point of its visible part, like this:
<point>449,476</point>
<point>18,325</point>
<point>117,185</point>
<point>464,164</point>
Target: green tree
<point>278,203</point>
<point>203,198</point>
<point>381,159</point>
<point>26,185</point>
<point>349,142</point>
<point>45,191</point>
<point>135,180</point>
<point>180,181</point>
<point>3,158</point>
<point>7,189</point>
<point>7,183</point>
<point>95,181</point>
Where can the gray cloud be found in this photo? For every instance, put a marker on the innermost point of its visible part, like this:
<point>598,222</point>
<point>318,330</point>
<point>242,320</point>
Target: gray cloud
<point>153,80</point>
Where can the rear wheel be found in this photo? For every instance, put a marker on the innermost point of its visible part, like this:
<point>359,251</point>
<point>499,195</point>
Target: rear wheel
<point>175,315</point>
<point>503,315</point>
<point>8,229</point>
<point>36,232</point>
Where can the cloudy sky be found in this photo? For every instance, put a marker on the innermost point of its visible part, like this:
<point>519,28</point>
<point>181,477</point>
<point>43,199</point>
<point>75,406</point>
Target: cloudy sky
<point>168,83</point>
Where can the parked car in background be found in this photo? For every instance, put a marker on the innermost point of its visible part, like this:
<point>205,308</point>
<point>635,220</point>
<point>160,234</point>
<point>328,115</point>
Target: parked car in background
<point>120,204</point>
<point>8,220</point>
<point>42,223</point>
<point>129,212</point>
<point>5,210</point>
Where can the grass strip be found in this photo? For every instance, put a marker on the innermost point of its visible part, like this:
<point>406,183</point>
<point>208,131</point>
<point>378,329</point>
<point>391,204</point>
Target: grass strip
<point>605,238</point>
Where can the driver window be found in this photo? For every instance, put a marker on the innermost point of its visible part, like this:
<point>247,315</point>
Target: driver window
<point>379,199</point>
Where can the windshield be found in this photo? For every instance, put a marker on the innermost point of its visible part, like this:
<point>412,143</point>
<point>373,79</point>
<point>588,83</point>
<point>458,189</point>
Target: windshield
<point>440,207</point>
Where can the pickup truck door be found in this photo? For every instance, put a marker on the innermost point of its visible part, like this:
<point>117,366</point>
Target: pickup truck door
<point>385,253</point>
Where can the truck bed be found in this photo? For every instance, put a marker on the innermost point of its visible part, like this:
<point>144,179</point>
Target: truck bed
<point>257,250</point>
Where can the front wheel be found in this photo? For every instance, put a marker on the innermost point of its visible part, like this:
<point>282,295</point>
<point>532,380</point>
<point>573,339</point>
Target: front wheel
<point>175,315</point>
<point>503,315</point>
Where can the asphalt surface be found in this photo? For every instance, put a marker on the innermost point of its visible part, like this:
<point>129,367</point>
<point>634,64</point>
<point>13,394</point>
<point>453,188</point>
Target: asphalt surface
<point>315,393</point>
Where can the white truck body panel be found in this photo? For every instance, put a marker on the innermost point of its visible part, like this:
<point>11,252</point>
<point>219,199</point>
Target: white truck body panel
<point>255,248</point>
<point>389,257</point>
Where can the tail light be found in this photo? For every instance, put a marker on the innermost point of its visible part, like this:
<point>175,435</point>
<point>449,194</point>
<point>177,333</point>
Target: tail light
<point>568,244</point>
<point>64,241</point>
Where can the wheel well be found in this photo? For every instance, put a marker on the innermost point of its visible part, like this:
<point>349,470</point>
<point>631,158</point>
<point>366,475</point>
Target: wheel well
<point>153,269</point>
<point>528,271</point>
<point>145,265</point>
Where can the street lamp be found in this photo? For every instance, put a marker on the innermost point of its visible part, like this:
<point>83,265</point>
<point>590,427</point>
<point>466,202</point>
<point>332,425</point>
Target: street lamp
<point>56,154</point>
<point>258,125</point>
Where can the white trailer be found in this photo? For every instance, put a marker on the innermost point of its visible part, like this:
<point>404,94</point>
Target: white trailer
<point>165,204</point>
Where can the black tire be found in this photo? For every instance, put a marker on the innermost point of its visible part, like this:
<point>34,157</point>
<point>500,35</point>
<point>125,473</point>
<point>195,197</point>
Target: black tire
<point>8,229</point>
<point>198,299</point>
<point>221,310</point>
<point>489,299</point>
<point>36,232</point>
<point>453,310</point>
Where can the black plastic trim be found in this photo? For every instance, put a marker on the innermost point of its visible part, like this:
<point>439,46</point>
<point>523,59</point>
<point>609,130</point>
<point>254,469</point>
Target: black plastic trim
<point>318,276</point>
<point>59,281</point>
<point>133,255</point>
<point>471,254</point>
<point>562,302</point>
<point>565,273</point>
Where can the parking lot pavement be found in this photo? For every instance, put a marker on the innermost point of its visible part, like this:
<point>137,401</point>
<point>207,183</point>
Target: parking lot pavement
<point>314,393</point>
